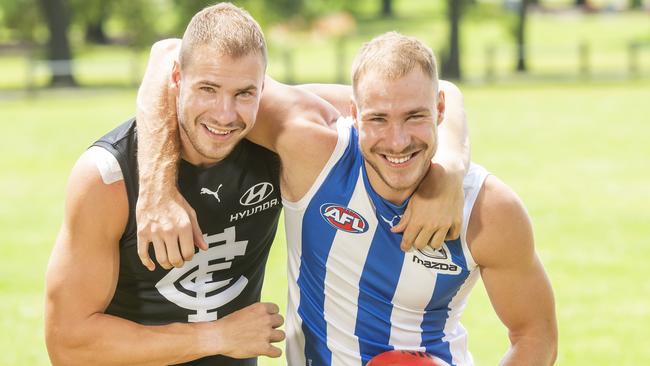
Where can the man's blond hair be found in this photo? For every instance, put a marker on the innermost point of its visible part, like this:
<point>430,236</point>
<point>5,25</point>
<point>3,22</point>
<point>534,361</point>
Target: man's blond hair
<point>226,29</point>
<point>394,55</point>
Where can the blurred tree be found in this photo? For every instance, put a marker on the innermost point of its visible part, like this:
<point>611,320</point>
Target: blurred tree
<point>23,18</point>
<point>386,8</point>
<point>521,35</point>
<point>451,60</point>
<point>581,2</point>
<point>636,4</point>
<point>91,15</point>
<point>56,15</point>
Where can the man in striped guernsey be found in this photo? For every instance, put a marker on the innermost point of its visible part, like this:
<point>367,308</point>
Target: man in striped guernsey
<point>352,292</point>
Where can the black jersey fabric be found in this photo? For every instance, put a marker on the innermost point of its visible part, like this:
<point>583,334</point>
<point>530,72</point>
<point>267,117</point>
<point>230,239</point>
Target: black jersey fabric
<point>237,202</point>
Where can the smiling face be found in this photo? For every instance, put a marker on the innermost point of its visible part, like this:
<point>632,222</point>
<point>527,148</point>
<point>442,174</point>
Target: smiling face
<point>217,103</point>
<point>397,121</point>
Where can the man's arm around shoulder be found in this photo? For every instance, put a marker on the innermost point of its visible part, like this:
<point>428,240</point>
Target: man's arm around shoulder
<point>500,236</point>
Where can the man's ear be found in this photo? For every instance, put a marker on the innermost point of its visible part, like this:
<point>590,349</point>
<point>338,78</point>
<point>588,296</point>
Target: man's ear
<point>440,107</point>
<point>176,74</point>
<point>353,112</point>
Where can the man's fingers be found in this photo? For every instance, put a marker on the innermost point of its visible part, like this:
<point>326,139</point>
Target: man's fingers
<point>438,239</point>
<point>173,251</point>
<point>454,231</point>
<point>410,234</point>
<point>403,222</point>
<point>271,308</point>
<point>273,352</point>
<point>423,238</point>
<point>277,335</point>
<point>198,238</point>
<point>143,253</point>
<point>186,243</point>
<point>276,320</point>
<point>161,253</point>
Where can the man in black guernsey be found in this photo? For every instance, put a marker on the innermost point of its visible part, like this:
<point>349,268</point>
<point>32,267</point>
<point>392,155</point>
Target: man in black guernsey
<point>102,305</point>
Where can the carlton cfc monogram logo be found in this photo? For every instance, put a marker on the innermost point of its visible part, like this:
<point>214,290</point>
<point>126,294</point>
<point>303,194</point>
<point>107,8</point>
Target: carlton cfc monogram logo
<point>194,286</point>
<point>343,218</point>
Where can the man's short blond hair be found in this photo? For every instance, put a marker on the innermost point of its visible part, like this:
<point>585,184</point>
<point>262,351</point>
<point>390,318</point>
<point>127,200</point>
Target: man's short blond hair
<point>393,55</point>
<point>226,29</point>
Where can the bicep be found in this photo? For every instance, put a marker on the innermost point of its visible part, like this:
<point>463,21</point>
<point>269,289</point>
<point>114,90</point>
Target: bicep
<point>83,267</point>
<point>512,273</point>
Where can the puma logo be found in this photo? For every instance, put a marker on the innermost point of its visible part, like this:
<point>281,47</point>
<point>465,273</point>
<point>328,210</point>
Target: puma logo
<point>392,222</point>
<point>215,193</point>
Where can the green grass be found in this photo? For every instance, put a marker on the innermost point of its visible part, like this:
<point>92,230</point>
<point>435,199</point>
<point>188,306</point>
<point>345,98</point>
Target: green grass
<point>578,156</point>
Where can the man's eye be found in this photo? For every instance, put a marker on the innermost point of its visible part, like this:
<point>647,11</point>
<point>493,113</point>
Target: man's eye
<point>245,94</point>
<point>207,89</point>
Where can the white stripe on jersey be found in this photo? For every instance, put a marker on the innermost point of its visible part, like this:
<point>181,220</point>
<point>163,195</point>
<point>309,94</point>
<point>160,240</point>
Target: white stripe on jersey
<point>344,267</point>
<point>409,304</point>
<point>293,218</point>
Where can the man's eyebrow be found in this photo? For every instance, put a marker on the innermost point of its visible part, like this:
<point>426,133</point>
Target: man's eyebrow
<point>374,114</point>
<point>417,111</point>
<point>210,83</point>
<point>247,88</point>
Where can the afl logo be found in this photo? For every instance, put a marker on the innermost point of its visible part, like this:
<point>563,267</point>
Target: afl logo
<point>256,194</point>
<point>343,218</point>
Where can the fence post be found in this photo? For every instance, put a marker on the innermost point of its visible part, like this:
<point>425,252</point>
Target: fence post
<point>583,55</point>
<point>30,67</point>
<point>287,60</point>
<point>633,59</point>
<point>340,59</point>
<point>490,52</point>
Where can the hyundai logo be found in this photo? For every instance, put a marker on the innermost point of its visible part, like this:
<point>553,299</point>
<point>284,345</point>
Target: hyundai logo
<point>256,194</point>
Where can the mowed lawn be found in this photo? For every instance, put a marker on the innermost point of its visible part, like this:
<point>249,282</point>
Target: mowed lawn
<point>577,155</point>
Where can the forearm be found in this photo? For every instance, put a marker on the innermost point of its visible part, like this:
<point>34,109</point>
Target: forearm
<point>157,126</point>
<point>104,339</point>
<point>453,142</point>
<point>531,350</point>
<point>336,94</point>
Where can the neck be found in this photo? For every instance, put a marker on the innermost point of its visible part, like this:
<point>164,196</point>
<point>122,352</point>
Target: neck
<point>189,153</point>
<point>392,195</point>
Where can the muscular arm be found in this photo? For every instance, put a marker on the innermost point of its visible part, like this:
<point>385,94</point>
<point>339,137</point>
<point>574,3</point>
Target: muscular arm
<point>162,213</point>
<point>81,279</point>
<point>501,241</point>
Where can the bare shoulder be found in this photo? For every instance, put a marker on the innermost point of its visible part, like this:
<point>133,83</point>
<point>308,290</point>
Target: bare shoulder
<point>499,232</point>
<point>92,202</point>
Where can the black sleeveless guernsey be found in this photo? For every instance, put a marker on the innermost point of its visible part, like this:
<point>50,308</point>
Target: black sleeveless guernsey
<point>237,202</point>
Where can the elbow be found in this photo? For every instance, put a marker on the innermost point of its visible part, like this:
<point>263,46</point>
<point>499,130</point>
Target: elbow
<point>166,45</point>
<point>66,348</point>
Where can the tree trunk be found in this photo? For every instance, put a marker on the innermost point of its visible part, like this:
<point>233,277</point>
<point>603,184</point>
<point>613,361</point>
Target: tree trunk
<point>56,15</point>
<point>521,36</point>
<point>95,32</point>
<point>451,64</point>
<point>386,8</point>
<point>95,26</point>
<point>581,2</point>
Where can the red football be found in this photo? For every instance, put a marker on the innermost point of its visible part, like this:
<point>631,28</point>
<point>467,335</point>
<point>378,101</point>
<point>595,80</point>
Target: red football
<point>403,358</point>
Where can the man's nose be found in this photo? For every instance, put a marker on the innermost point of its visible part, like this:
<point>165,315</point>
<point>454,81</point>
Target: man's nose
<point>224,112</point>
<point>398,138</point>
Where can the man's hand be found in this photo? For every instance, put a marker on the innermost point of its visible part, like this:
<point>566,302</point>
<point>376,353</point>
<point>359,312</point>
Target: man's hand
<point>435,211</point>
<point>170,224</point>
<point>250,332</point>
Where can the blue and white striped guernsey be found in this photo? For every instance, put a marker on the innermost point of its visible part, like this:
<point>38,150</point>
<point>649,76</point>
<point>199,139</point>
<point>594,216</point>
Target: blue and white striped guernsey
<point>352,292</point>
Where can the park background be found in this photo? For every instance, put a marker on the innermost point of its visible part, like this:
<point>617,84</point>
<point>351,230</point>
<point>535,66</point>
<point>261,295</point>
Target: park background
<point>569,131</point>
